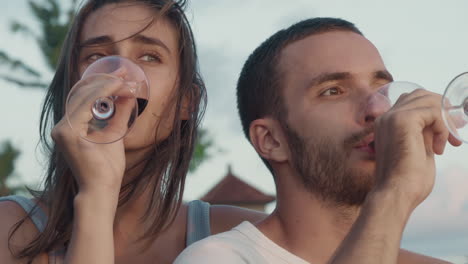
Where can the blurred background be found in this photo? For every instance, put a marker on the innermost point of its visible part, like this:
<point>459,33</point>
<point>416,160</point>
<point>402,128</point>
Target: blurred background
<point>425,42</point>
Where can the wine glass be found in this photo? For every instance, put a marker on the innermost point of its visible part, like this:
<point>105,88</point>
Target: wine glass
<point>387,95</point>
<point>455,107</point>
<point>103,105</point>
<point>454,102</point>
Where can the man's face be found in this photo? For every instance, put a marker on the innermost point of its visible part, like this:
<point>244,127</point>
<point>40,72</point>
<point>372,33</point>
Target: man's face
<point>328,79</point>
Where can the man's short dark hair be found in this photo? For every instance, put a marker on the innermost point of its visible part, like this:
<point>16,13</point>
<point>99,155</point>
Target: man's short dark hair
<point>260,82</point>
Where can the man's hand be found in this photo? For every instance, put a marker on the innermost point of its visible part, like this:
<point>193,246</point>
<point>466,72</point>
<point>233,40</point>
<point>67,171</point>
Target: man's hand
<point>407,137</point>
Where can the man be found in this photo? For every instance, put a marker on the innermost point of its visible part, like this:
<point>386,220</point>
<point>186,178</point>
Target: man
<point>348,173</point>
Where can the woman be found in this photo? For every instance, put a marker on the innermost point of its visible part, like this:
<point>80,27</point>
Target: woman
<point>119,202</point>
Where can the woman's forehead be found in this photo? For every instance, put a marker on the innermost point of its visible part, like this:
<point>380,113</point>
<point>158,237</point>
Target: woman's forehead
<point>119,21</point>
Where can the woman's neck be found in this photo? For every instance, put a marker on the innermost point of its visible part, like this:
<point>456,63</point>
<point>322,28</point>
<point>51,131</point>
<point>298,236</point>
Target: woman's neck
<point>130,215</point>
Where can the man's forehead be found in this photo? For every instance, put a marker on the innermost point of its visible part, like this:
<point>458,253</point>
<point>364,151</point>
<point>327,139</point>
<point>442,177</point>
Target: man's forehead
<point>335,51</point>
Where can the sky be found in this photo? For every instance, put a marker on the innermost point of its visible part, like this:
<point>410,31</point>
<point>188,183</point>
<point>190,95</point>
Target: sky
<point>420,41</point>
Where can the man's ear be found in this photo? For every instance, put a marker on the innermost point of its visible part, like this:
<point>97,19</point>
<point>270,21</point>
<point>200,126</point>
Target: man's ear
<point>268,140</point>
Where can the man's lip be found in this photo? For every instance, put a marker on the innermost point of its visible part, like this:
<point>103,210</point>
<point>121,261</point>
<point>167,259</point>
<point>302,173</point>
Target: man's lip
<point>365,141</point>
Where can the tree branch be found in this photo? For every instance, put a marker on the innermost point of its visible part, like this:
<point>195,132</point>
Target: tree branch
<point>16,64</point>
<point>24,84</point>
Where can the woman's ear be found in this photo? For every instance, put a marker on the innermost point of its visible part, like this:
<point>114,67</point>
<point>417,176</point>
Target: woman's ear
<point>186,107</point>
<point>268,140</point>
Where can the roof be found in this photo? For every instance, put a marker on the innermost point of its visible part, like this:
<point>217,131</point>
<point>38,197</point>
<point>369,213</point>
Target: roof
<point>233,190</point>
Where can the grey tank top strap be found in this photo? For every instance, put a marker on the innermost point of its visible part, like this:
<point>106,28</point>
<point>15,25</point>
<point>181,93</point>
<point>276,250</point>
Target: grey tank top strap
<point>39,219</point>
<point>198,221</point>
<point>37,215</point>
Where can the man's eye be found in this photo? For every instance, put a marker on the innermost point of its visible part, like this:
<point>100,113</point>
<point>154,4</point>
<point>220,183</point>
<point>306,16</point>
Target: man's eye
<point>331,91</point>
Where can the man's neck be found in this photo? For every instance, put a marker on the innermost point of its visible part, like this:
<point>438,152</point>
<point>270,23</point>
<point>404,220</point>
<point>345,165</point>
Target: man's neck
<point>305,225</point>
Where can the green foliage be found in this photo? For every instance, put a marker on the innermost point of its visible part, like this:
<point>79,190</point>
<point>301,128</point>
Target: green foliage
<point>8,155</point>
<point>53,28</point>
<point>17,65</point>
<point>53,22</point>
<point>201,153</point>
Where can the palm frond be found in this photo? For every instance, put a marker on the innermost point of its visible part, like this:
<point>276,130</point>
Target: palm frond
<point>16,64</point>
<point>22,83</point>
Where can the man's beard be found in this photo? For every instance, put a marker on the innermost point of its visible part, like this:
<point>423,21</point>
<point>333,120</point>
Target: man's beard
<point>323,170</point>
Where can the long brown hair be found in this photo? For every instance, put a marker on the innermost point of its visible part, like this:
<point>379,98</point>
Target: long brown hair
<point>166,171</point>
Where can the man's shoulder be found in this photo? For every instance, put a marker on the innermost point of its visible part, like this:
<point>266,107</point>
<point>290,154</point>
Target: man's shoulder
<point>408,257</point>
<point>227,239</point>
<point>220,248</point>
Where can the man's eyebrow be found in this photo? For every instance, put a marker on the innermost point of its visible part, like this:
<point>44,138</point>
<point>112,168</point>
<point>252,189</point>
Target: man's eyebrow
<point>101,40</point>
<point>338,76</point>
<point>383,74</point>
<point>326,77</point>
<point>150,41</point>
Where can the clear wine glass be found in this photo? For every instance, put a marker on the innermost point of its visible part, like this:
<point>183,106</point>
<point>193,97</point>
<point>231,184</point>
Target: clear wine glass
<point>454,102</point>
<point>102,107</point>
<point>455,107</point>
<point>388,94</point>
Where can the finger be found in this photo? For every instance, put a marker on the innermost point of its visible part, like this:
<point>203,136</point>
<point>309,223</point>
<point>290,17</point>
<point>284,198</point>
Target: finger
<point>429,140</point>
<point>456,117</point>
<point>125,114</point>
<point>429,121</point>
<point>421,99</point>
<point>111,85</point>
<point>91,88</point>
<point>121,72</point>
<point>115,128</point>
<point>103,87</point>
<point>439,142</point>
<point>454,141</point>
<point>408,96</point>
<point>81,117</point>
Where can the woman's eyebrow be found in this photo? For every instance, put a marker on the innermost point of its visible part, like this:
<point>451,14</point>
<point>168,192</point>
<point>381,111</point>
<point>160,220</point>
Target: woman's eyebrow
<point>107,40</point>
<point>101,40</point>
<point>150,41</point>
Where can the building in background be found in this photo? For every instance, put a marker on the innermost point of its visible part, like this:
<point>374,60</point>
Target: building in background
<point>231,190</point>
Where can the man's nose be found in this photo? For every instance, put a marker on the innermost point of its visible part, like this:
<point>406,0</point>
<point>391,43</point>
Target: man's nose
<point>375,104</point>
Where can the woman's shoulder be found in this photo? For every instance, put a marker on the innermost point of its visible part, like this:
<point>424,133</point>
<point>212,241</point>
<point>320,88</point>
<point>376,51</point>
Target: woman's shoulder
<point>11,213</point>
<point>225,217</point>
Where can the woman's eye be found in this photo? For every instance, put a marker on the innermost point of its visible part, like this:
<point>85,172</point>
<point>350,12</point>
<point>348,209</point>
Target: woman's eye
<point>94,57</point>
<point>331,91</point>
<point>150,58</point>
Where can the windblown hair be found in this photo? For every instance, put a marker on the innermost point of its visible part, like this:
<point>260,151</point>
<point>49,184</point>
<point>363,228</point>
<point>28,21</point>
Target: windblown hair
<point>165,168</point>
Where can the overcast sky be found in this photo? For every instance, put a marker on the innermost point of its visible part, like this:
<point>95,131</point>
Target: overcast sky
<point>421,41</point>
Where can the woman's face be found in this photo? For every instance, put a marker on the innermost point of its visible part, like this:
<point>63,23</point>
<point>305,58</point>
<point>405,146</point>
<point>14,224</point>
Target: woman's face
<point>155,50</point>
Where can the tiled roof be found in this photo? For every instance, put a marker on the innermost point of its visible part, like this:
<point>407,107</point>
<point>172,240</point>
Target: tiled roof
<point>232,190</point>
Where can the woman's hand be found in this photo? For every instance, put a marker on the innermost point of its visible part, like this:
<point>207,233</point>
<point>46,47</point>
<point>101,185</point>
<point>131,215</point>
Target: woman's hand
<point>96,167</point>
